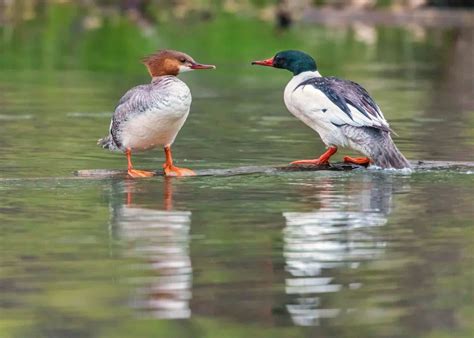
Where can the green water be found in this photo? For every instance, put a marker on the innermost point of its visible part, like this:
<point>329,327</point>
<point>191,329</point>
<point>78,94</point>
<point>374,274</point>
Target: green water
<point>326,254</point>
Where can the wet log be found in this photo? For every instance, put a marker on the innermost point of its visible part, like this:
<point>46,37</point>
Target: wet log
<point>417,166</point>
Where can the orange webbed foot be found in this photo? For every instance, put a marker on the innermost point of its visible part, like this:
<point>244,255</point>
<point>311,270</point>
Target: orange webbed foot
<point>175,171</point>
<point>321,160</point>
<point>365,161</point>
<point>134,173</point>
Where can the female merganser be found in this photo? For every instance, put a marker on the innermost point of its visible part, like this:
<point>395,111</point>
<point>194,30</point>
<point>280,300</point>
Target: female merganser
<point>342,112</point>
<point>151,115</point>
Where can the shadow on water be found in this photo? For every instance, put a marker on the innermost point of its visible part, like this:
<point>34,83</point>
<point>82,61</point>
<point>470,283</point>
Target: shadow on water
<point>160,238</point>
<point>342,233</point>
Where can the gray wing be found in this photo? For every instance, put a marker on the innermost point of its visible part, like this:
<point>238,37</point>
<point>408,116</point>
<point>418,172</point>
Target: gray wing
<point>135,101</point>
<point>356,95</point>
<point>353,101</point>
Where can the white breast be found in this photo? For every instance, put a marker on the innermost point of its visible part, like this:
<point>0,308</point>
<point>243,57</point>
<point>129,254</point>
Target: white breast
<point>159,125</point>
<point>312,109</point>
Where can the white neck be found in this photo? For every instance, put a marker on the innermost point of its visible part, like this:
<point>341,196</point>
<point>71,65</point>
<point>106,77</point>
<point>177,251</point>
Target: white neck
<point>306,75</point>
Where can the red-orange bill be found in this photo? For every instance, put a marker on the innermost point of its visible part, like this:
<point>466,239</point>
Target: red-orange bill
<point>267,62</point>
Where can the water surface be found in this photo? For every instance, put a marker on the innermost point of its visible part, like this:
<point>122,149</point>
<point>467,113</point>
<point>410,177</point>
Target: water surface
<point>350,254</point>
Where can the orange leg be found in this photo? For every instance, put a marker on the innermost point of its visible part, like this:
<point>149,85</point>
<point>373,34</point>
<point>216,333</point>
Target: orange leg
<point>133,172</point>
<point>357,160</point>
<point>323,159</point>
<point>171,170</point>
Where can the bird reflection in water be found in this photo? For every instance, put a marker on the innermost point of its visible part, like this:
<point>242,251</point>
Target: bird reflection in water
<point>161,239</point>
<point>341,234</point>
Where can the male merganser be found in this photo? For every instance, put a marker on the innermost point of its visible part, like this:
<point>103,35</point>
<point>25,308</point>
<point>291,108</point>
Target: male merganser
<point>151,115</point>
<point>341,111</point>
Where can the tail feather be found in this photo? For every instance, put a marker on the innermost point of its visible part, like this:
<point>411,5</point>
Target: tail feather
<point>107,143</point>
<point>385,154</point>
<point>377,145</point>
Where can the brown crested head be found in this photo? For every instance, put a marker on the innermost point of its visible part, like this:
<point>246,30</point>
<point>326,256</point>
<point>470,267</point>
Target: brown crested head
<point>171,62</point>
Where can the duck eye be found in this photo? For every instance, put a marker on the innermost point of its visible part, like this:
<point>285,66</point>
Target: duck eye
<point>183,60</point>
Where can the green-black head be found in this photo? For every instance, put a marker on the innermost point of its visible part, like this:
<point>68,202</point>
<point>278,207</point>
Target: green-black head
<point>293,60</point>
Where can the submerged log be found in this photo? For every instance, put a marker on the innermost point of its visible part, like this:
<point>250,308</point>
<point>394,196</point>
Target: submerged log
<point>417,166</point>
